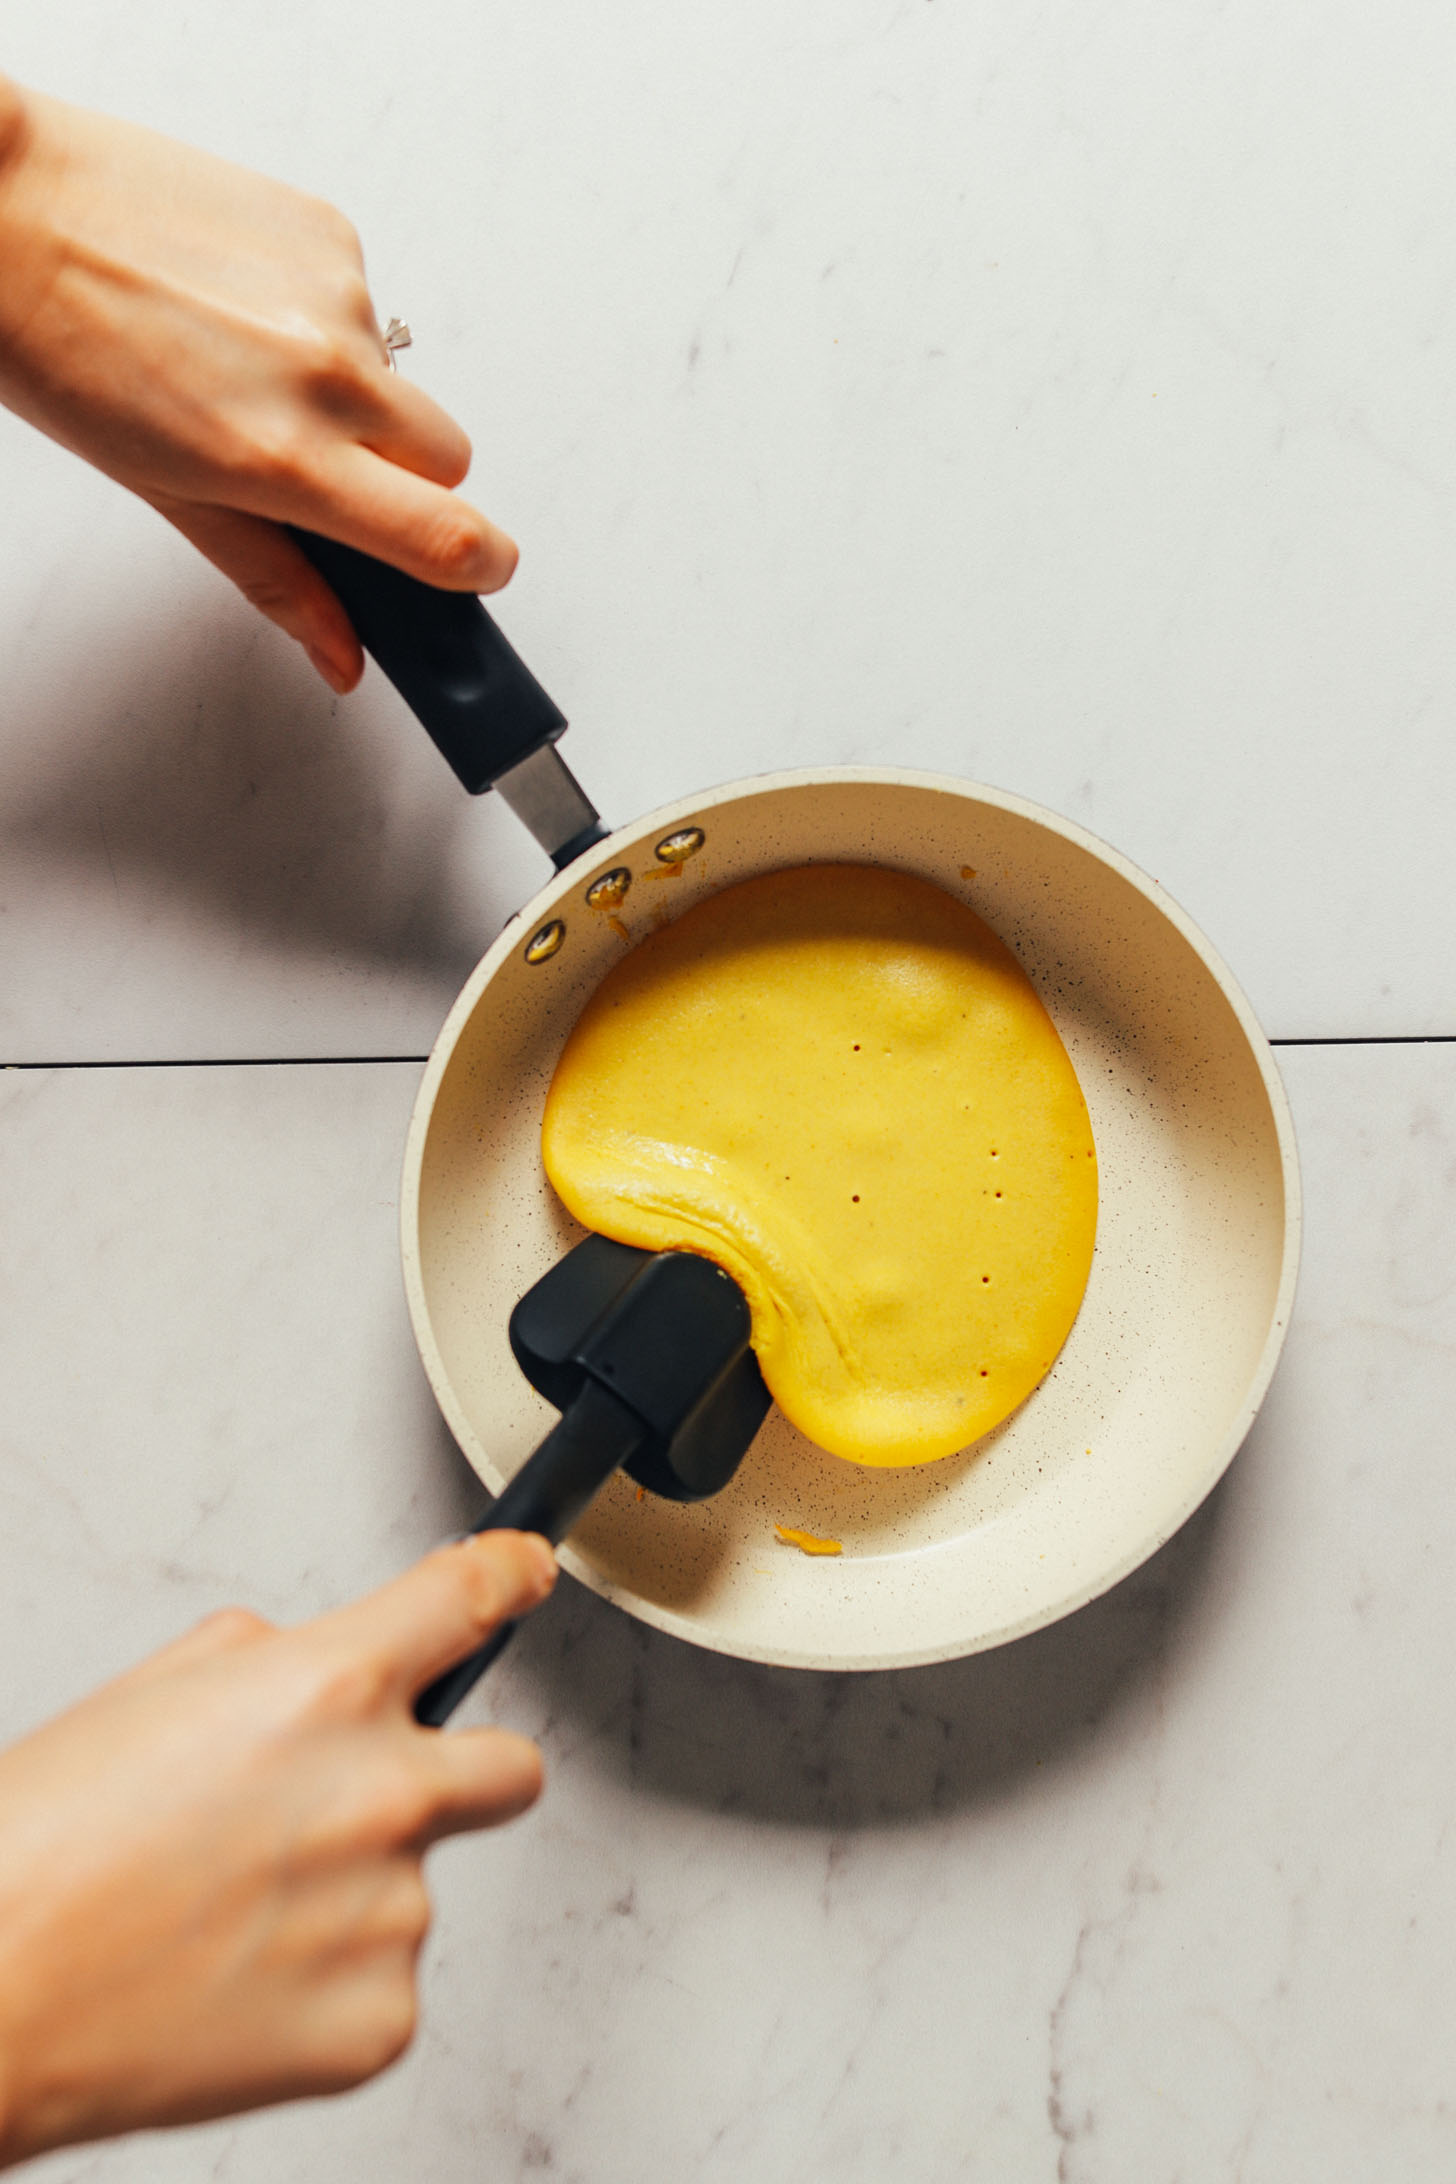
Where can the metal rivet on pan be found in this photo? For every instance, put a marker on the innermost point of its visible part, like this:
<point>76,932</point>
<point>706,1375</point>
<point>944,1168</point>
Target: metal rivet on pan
<point>543,945</point>
<point>677,848</point>
<point>607,892</point>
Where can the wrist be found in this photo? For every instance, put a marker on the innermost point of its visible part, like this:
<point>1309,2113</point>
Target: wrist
<point>34,2115</point>
<point>12,2124</point>
<point>25,2095</point>
<point>14,125</point>
<point>12,2128</point>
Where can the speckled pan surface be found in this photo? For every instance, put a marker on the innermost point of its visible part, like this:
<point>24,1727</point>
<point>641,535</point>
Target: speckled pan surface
<point>1184,1316</point>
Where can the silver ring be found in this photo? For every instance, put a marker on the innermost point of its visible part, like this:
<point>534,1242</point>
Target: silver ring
<point>396,336</point>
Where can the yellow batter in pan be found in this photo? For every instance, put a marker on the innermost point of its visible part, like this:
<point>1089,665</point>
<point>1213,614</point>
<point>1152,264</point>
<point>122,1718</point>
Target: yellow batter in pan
<point>840,1085</point>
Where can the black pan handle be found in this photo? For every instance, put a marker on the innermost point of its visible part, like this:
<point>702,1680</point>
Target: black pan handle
<point>446,658</point>
<point>550,1491</point>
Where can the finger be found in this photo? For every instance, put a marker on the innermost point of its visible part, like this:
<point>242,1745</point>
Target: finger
<point>480,1777</point>
<point>411,430</point>
<point>447,1605</point>
<point>357,401</point>
<point>356,496</point>
<point>271,572</point>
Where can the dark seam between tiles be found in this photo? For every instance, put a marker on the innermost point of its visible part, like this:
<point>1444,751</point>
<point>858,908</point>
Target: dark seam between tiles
<point>233,1061</point>
<point>1376,1038</point>
<point>356,1061</point>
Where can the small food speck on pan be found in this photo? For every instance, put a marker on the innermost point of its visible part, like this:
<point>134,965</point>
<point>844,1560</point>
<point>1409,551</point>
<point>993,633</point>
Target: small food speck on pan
<point>807,1542</point>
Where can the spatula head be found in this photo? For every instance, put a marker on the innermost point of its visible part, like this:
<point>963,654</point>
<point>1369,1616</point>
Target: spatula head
<point>667,1332</point>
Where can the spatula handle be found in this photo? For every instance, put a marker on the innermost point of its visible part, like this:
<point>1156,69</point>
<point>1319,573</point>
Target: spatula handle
<point>446,658</point>
<point>548,1494</point>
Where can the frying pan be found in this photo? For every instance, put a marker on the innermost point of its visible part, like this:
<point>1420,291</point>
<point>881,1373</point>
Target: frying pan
<point>1198,1229</point>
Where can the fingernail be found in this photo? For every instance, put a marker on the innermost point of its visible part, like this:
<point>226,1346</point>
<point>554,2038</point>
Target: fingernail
<point>545,1555</point>
<point>332,673</point>
<point>501,559</point>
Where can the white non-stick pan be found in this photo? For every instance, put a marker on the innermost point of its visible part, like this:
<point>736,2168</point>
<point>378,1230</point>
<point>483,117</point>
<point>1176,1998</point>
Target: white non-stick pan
<point>1192,1279</point>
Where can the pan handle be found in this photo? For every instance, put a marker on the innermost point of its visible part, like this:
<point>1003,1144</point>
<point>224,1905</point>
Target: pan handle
<point>446,658</point>
<point>548,1494</point>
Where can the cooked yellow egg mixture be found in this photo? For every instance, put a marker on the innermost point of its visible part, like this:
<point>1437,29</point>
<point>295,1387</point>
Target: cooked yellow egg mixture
<point>838,1083</point>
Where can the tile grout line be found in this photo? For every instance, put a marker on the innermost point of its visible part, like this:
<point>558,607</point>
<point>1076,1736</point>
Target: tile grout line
<point>1376,1038</point>
<point>356,1061</point>
<point>233,1061</point>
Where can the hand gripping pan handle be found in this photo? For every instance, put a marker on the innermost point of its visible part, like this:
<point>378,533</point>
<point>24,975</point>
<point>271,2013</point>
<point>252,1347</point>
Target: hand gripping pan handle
<point>647,1356</point>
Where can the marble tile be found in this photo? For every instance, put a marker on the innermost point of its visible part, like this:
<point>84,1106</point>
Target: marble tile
<point>1164,1891</point>
<point>1059,400</point>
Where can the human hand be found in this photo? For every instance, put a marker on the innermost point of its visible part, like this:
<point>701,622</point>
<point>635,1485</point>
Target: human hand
<point>205,336</point>
<point>210,1870</point>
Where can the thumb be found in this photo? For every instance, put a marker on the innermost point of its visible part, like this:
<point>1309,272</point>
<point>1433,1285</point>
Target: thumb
<point>279,580</point>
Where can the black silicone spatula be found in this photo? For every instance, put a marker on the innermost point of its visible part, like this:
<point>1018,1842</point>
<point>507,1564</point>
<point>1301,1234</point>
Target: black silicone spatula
<point>646,1355</point>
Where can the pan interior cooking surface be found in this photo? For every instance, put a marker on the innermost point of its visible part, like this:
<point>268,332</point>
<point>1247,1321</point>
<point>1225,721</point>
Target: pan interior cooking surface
<point>1179,1330</point>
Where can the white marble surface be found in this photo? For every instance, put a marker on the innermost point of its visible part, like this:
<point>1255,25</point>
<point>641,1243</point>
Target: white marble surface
<point>1053,397</point>
<point>1164,1892</point>
<point>1058,397</point>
